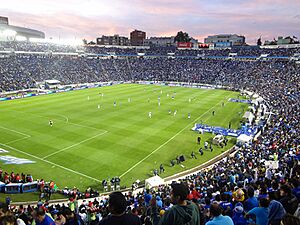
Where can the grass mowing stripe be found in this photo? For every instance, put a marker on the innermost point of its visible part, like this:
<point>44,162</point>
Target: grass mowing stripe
<point>64,149</point>
<point>67,121</point>
<point>18,132</point>
<point>49,162</point>
<point>168,140</point>
<point>14,141</point>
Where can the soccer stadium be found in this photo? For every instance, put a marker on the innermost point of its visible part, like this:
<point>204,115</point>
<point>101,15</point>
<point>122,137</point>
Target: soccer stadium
<point>174,134</point>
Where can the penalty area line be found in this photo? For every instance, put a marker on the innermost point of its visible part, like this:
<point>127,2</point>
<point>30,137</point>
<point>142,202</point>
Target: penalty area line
<point>71,146</point>
<point>18,132</point>
<point>14,141</point>
<point>51,163</point>
<point>179,132</point>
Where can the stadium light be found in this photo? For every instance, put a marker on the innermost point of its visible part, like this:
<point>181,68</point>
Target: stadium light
<point>9,32</point>
<point>36,40</point>
<point>73,42</point>
<point>21,38</point>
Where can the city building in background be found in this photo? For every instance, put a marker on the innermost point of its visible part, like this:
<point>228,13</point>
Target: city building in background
<point>13,33</point>
<point>113,40</point>
<point>283,41</point>
<point>160,41</point>
<point>225,40</point>
<point>137,38</point>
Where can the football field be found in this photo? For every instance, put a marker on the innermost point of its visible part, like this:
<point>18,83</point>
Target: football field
<point>105,132</point>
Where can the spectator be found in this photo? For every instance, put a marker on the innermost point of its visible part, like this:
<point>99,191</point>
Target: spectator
<point>216,216</point>
<point>183,212</point>
<point>288,200</point>
<point>117,205</point>
<point>41,218</point>
<point>261,213</point>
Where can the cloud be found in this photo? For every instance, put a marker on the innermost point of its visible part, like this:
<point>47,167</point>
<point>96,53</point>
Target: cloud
<point>93,18</point>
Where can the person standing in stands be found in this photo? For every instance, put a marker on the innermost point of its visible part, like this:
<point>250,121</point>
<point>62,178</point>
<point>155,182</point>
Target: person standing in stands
<point>261,213</point>
<point>183,212</point>
<point>41,218</point>
<point>117,205</point>
<point>217,217</point>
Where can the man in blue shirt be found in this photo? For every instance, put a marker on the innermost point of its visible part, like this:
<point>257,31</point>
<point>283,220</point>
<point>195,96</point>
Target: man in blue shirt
<point>261,213</point>
<point>41,218</point>
<point>217,217</point>
<point>251,202</point>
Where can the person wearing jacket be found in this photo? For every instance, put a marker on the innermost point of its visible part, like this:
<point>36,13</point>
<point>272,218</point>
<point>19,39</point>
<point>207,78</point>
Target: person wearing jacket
<point>183,212</point>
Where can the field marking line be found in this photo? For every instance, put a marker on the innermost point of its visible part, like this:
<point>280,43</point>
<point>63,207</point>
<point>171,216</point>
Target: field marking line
<point>75,124</point>
<point>155,150</point>
<point>71,146</point>
<point>49,162</point>
<point>18,132</point>
<point>61,115</point>
<point>14,141</point>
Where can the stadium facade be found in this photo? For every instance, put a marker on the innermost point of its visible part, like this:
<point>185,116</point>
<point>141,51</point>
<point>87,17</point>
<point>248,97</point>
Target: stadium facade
<point>12,33</point>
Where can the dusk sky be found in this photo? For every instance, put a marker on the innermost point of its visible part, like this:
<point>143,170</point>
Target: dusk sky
<point>92,18</point>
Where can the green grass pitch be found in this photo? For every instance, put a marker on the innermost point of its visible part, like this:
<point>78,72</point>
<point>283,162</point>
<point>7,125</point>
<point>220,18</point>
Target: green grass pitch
<point>87,144</point>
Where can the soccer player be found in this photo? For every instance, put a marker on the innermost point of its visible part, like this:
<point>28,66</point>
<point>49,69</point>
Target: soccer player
<point>193,155</point>
<point>88,98</point>
<point>189,115</point>
<point>129,99</point>
<point>213,113</point>
<point>206,145</point>
<point>50,123</point>
<point>174,114</point>
<point>170,111</point>
<point>198,140</point>
<point>115,103</point>
<point>200,151</point>
<point>150,115</point>
<point>98,106</point>
<point>190,99</point>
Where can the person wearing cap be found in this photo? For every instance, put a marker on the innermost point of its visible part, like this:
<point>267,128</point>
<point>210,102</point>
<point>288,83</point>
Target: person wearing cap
<point>183,212</point>
<point>261,213</point>
<point>238,215</point>
<point>117,205</point>
<point>217,217</point>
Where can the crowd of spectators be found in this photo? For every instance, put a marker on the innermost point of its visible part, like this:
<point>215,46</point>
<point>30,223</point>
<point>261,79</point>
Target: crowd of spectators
<point>7,178</point>
<point>147,50</point>
<point>239,189</point>
<point>26,71</point>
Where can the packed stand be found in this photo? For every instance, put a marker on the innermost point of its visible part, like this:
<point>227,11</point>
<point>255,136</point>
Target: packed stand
<point>239,189</point>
